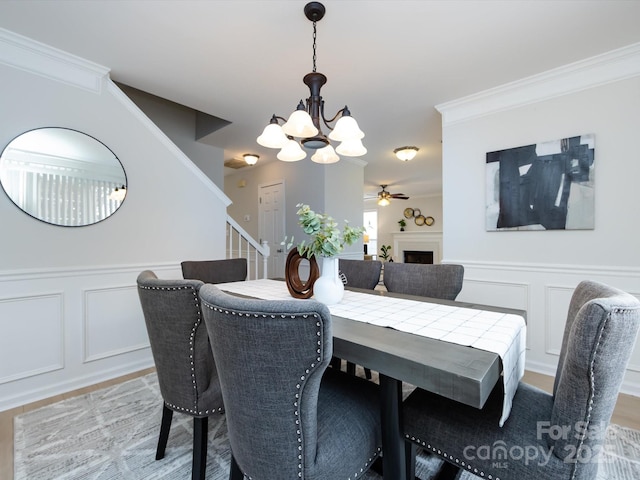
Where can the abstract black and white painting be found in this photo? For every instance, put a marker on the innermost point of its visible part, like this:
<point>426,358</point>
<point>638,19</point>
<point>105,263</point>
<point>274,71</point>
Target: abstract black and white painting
<point>545,186</point>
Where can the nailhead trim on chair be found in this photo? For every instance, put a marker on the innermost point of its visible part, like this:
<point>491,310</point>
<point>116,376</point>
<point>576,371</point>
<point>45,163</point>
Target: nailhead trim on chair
<point>593,389</point>
<point>366,465</point>
<point>299,384</point>
<point>192,336</point>
<point>589,409</point>
<point>450,458</point>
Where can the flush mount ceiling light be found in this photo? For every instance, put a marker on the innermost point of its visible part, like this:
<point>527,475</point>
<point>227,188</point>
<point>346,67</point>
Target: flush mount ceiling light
<point>305,121</point>
<point>406,153</point>
<point>251,158</point>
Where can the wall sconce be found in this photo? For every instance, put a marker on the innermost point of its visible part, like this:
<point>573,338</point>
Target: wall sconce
<point>251,158</point>
<point>406,153</point>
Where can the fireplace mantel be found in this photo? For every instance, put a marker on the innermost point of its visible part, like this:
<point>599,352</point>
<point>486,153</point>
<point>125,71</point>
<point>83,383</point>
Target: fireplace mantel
<point>428,241</point>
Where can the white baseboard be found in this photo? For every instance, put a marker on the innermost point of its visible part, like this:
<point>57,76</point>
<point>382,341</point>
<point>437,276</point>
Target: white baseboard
<point>51,389</point>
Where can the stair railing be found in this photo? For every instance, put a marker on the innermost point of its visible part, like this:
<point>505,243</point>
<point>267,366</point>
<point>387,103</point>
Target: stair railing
<point>241,245</point>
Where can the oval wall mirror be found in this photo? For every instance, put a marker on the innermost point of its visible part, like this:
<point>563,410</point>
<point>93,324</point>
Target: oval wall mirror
<point>62,176</point>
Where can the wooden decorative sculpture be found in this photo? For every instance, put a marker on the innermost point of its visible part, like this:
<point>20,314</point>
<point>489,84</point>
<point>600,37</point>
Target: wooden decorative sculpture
<point>298,288</point>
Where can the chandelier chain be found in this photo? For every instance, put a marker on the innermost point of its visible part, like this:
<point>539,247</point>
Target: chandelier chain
<point>314,47</point>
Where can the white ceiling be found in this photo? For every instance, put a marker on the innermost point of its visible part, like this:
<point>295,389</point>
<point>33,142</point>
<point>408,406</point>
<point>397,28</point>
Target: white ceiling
<point>389,61</point>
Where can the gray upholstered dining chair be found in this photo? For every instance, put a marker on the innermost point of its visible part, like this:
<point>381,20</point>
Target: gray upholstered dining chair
<point>215,271</point>
<point>360,273</point>
<point>288,416</point>
<point>184,363</point>
<point>436,281</point>
<point>547,436</point>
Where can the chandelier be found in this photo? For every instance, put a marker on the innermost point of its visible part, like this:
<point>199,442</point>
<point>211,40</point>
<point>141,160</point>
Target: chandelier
<point>305,122</point>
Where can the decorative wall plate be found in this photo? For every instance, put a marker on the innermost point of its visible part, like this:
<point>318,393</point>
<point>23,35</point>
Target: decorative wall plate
<point>428,221</point>
<point>419,220</point>
<point>408,212</point>
<point>416,212</point>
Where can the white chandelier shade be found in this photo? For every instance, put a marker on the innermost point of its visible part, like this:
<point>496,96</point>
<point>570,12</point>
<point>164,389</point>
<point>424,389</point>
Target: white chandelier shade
<point>291,152</point>
<point>272,136</point>
<point>351,148</point>
<point>325,155</point>
<point>346,129</point>
<point>300,124</point>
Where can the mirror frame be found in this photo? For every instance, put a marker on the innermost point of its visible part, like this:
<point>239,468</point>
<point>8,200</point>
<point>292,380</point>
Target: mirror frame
<point>68,199</point>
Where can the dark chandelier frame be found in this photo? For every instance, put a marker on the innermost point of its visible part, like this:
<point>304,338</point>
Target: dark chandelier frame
<point>314,105</point>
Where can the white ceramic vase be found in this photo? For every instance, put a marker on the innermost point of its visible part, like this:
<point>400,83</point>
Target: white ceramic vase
<point>328,288</point>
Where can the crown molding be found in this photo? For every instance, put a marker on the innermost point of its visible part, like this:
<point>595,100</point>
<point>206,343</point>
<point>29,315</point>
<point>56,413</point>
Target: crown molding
<point>34,57</point>
<point>606,68</point>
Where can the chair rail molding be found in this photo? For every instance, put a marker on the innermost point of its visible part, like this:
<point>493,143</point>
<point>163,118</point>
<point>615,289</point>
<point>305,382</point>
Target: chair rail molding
<point>613,270</point>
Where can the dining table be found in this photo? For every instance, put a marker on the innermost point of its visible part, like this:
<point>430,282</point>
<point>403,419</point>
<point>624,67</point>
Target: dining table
<point>459,350</point>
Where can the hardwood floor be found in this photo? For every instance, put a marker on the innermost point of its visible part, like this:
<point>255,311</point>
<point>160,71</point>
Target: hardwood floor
<point>625,413</point>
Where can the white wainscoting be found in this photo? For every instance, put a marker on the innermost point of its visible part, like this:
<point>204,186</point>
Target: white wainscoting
<point>112,323</point>
<point>51,322</point>
<point>557,299</point>
<point>32,339</point>
<point>544,291</point>
<point>63,329</point>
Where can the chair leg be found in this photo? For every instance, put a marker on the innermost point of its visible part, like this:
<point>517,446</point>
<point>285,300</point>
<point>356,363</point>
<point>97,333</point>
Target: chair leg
<point>336,363</point>
<point>448,471</point>
<point>235,473</point>
<point>351,370</point>
<point>200,431</point>
<point>165,426</point>
<point>410,449</point>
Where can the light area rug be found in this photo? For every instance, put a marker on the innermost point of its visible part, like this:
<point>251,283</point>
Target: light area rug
<point>112,434</point>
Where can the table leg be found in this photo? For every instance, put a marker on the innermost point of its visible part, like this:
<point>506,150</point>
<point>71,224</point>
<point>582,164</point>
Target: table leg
<point>393,444</point>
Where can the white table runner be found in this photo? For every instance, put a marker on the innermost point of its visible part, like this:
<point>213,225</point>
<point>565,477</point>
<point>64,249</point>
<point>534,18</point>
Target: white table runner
<point>500,333</point>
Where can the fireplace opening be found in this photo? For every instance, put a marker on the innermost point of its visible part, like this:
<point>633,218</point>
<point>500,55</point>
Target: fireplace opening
<point>418,256</point>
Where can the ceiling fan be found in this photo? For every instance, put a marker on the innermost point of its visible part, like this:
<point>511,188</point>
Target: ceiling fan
<point>384,197</point>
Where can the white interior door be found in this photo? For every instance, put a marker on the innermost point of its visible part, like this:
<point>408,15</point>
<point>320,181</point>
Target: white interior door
<point>271,225</point>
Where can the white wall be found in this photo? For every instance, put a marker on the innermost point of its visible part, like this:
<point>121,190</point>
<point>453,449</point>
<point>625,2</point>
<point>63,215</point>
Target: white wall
<point>335,189</point>
<point>179,123</point>
<point>538,270</point>
<point>69,312</point>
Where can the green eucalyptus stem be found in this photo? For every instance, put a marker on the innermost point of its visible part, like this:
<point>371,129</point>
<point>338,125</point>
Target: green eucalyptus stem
<point>326,238</point>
